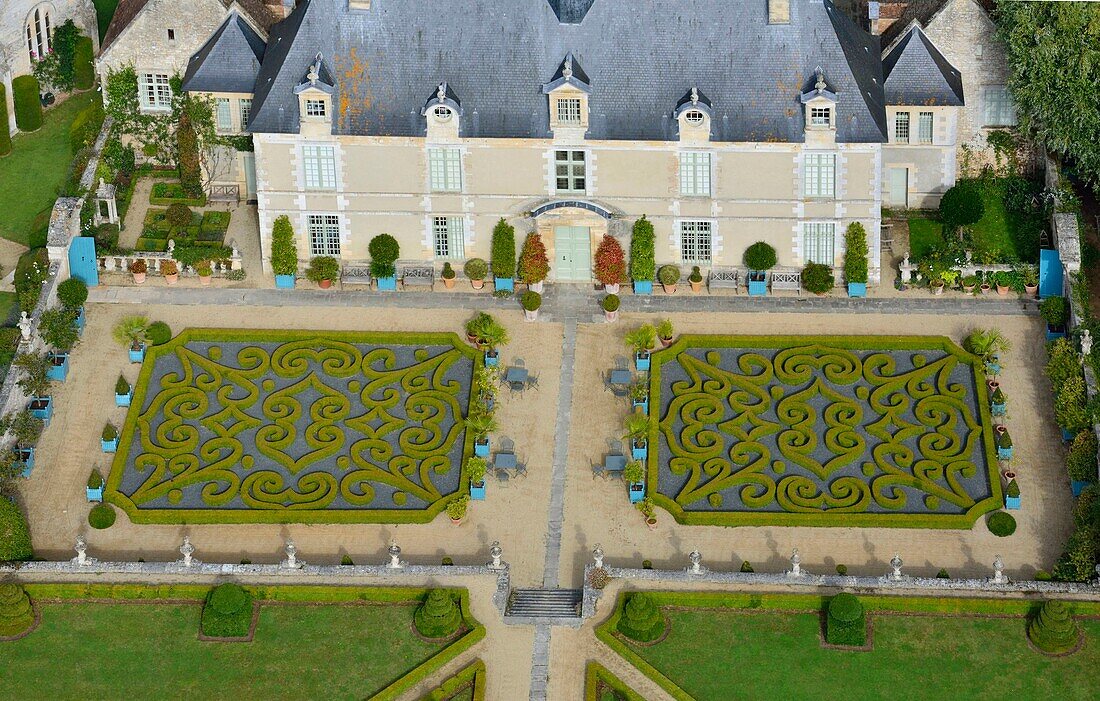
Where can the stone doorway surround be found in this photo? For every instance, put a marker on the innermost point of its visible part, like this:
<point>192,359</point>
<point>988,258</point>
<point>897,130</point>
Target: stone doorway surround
<point>546,220</point>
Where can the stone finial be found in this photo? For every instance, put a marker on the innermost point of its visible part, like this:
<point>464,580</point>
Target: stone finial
<point>696,559</point>
<point>796,564</point>
<point>291,550</point>
<point>998,570</point>
<point>597,555</point>
<point>441,94</point>
<point>187,550</point>
<point>905,261</point>
<point>695,96</point>
<point>820,84</point>
<point>496,552</point>
<point>1086,345</point>
<point>26,326</point>
<point>395,555</point>
<point>567,69</point>
<point>895,565</point>
<point>315,70</point>
<point>81,550</point>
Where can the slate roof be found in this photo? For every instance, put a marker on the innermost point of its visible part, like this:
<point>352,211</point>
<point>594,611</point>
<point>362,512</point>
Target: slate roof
<point>918,74</point>
<point>229,61</point>
<point>128,10</point>
<point>640,55</point>
<point>922,11</point>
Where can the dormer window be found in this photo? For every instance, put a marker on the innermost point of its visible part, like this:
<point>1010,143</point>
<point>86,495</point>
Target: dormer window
<point>442,113</point>
<point>315,98</point>
<point>694,117</point>
<point>693,113</point>
<point>567,93</point>
<point>569,110</point>
<point>821,117</point>
<point>316,109</point>
<point>819,100</point>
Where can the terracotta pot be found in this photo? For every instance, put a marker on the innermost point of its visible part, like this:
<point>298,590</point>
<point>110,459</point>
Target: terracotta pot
<point>204,280</point>
<point>1031,289</point>
<point>325,284</point>
<point>471,338</point>
<point>937,289</point>
<point>669,289</point>
<point>172,279</point>
<point>477,284</point>
<point>651,523</point>
<point>1000,429</point>
<point>139,278</point>
<point>611,289</point>
<point>993,385</point>
<point>985,288</point>
<point>696,286</point>
<point>665,342</point>
<point>456,521</point>
<point>968,288</point>
<point>1009,475</point>
<point>449,283</point>
<point>1002,290</point>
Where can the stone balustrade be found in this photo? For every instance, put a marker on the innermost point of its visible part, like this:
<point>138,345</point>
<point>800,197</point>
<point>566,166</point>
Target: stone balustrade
<point>153,260</point>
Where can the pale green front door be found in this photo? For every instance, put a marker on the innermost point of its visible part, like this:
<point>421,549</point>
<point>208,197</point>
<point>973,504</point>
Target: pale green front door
<point>573,248</point>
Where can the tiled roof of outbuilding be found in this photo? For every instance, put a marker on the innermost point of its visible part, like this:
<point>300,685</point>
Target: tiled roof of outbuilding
<point>128,10</point>
<point>918,74</point>
<point>229,61</point>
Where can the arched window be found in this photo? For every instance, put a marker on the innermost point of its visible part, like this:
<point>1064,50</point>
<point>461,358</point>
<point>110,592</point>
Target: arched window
<point>39,31</point>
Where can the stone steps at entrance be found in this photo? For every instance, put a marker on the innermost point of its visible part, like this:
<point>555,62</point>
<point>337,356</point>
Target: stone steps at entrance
<point>544,606</point>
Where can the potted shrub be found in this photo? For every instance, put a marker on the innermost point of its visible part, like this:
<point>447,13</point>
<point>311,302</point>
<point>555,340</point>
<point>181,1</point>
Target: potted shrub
<point>1070,407</point>
<point>610,306</point>
<point>639,396</point>
<point>384,252</point>
<point>988,344</point>
<point>171,271</point>
<point>26,429</point>
<point>448,275</point>
<point>139,269</point>
<point>969,282</point>
<point>1055,311</point>
<point>1004,443</point>
<point>998,403</point>
<point>476,327</point>
<point>475,468</point>
<point>95,486</point>
<point>35,383</point>
<point>818,278</point>
<point>759,259</point>
<point>1029,276</point>
<point>634,476</point>
<point>72,294</point>
<point>664,332</point>
<point>475,270</point>
<point>637,431</point>
<point>669,275</point>
<point>124,393</point>
<point>1081,462</point>
<point>610,265</point>
<point>649,512</point>
<point>491,336</point>
<point>855,259</point>
<point>641,340</point>
<point>1012,495</point>
<point>534,266</point>
<point>1002,280</point>
<point>284,253</point>
<point>643,263</point>
<point>531,301</point>
<point>130,331</point>
<point>323,270</point>
<point>502,258</point>
<point>481,423</point>
<point>108,440</point>
<point>205,272</point>
<point>695,279</point>
<point>983,287</point>
<point>937,284</point>
<point>58,329</point>
<point>456,508</point>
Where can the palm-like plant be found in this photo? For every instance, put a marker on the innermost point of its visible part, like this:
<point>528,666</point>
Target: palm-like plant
<point>986,343</point>
<point>637,427</point>
<point>494,334</point>
<point>131,330</point>
<point>642,338</point>
<point>481,424</point>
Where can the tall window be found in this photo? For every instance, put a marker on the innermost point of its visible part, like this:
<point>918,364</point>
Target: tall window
<point>315,108</point>
<point>225,116</point>
<point>445,169</point>
<point>695,173</point>
<point>319,164</point>
<point>695,241</point>
<point>820,175</point>
<point>924,127</point>
<point>448,234</point>
<point>39,32</point>
<point>324,235</point>
<point>246,112</point>
<point>821,116</point>
<point>154,91</point>
<point>569,169</point>
<point>901,127</point>
<point>569,110</point>
<point>818,241</point>
<point>998,109</point>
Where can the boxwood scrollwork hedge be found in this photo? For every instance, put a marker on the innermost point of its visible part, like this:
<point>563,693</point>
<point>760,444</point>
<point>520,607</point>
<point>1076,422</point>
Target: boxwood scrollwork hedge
<point>230,426</point>
<point>821,431</point>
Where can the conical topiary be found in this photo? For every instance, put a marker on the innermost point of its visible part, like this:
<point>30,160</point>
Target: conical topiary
<point>438,616</point>
<point>641,619</point>
<point>16,614</point>
<point>845,623</point>
<point>1053,630</point>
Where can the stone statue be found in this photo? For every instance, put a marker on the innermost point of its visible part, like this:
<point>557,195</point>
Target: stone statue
<point>187,550</point>
<point>395,555</point>
<point>998,570</point>
<point>81,551</point>
<point>796,564</point>
<point>696,559</point>
<point>895,564</point>
<point>495,552</point>
<point>1086,345</point>
<point>26,326</point>
<point>905,261</point>
<point>171,247</point>
<point>597,555</point>
<point>291,550</point>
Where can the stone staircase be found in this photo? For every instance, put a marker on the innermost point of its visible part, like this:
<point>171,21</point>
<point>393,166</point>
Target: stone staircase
<point>556,607</point>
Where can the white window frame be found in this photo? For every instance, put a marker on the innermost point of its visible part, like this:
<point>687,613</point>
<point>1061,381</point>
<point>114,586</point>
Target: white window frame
<point>695,117</point>
<point>925,127</point>
<point>695,173</point>
<point>819,242</point>
<point>316,108</point>
<point>39,32</point>
<point>449,237</point>
<point>569,110</point>
<point>245,106</point>
<point>998,107</point>
<point>319,166</point>
<point>575,183</point>
<point>902,119</point>
<point>155,92</point>
<point>445,169</point>
<point>819,177</point>
<point>324,234</point>
<point>821,117</point>
<point>696,241</point>
<point>223,114</point>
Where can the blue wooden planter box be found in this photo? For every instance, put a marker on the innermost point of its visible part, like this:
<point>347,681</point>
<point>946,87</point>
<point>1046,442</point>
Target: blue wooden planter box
<point>998,409</point>
<point>137,355</point>
<point>81,321</point>
<point>387,284</point>
<point>643,287</point>
<point>109,446</point>
<point>284,282</point>
<point>94,494</point>
<point>59,367</point>
<point>124,399</point>
<point>505,283</point>
<point>492,360</point>
<point>641,363</point>
<point>638,452</point>
<point>992,368</point>
<point>636,492</point>
<point>643,403</point>
<point>25,460</point>
<point>46,412</point>
<point>1068,435</point>
<point>477,493</point>
<point>1012,503</point>
<point>1055,334</point>
<point>857,289</point>
<point>482,449</point>
<point>1078,486</point>
<point>1004,453</point>
<point>758,287</point>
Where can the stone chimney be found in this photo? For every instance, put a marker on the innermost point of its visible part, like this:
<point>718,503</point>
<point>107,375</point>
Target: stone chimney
<point>880,15</point>
<point>281,8</point>
<point>779,11</point>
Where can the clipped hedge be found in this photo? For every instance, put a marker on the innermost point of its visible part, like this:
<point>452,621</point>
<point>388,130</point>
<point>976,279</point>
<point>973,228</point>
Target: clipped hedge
<point>502,259</point>
<point>167,192</point>
<point>84,130</point>
<point>438,616</point>
<point>28,106</point>
<point>158,333</point>
<point>15,537</point>
<point>5,126</point>
<point>642,620</point>
<point>470,678</point>
<point>83,70</point>
<point>227,612</point>
<point>845,621</point>
<point>643,264</point>
<point>598,678</point>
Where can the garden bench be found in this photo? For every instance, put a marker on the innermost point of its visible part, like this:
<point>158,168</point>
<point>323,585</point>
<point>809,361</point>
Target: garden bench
<point>724,277</point>
<point>417,276</point>
<point>355,274</point>
<point>790,281</point>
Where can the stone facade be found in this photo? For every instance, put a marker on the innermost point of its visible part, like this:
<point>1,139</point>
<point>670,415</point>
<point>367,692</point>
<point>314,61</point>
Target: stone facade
<point>15,15</point>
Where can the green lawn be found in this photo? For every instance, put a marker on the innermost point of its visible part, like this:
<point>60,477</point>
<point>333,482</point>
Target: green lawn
<point>716,655</point>
<point>924,235</point>
<point>37,167</point>
<point>105,9</point>
<point>150,651</point>
<point>9,307</point>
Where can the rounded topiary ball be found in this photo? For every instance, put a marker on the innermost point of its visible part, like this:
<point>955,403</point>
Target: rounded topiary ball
<point>101,516</point>
<point>228,598</point>
<point>178,215</point>
<point>962,205</point>
<point>760,256</point>
<point>384,248</point>
<point>158,333</point>
<point>845,622</point>
<point>438,616</point>
<point>1001,524</point>
<point>228,612</point>
<point>641,619</point>
<point>72,293</point>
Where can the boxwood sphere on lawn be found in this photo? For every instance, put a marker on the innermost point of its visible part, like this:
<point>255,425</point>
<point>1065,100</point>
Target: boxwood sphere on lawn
<point>845,622</point>
<point>228,612</point>
<point>101,516</point>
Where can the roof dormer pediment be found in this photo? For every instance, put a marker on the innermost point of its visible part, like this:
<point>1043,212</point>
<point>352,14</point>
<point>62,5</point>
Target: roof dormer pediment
<point>818,88</point>
<point>317,78</point>
<point>570,74</point>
